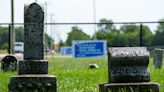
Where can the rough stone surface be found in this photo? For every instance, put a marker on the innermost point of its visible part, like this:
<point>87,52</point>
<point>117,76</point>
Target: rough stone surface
<point>33,83</point>
<point>33,33</point>
<point>128,64</point>
<point>129,87</point>
<point>158,58</point>
<point>33,67</point>
<point>130,74</point>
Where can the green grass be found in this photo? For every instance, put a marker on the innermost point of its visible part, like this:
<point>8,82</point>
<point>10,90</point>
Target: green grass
<point>3,51</point>
<point>74,75</point>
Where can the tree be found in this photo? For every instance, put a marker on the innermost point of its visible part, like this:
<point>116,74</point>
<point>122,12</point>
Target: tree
<point>105,27</point>
<point>76,34</point>
<point>132,32</point>
<point>48,41</point>
<point>159,35</point>
<point>19,34</point>
<point>4,37</point>
<point>148,36</point>
<point>118,40</point>
<point>101,35</point>
<point>129,28</point>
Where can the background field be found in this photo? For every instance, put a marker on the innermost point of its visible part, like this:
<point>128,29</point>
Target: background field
<point>74,75</point>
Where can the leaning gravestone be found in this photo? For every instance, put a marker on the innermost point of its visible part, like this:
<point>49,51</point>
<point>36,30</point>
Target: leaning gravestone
<point>33,70</point>
<point>158,58</point>
<point>128,69</point>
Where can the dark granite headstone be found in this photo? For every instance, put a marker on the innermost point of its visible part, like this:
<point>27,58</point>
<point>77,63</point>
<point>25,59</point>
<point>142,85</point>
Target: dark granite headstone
<point>33,70</point>
<point>128,64</point>
<point>33,33</point>
<point>128,71</point>
<point>33,62</point>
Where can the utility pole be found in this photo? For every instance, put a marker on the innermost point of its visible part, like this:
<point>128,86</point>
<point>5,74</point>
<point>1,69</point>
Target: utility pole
<point>94,17</point>
<point>45,26</point>
<point>12,35</point>
<point>141,35</point>
<point>51,30</point>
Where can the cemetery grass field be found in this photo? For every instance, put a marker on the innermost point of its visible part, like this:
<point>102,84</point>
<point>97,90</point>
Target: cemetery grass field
<point>74,75</point>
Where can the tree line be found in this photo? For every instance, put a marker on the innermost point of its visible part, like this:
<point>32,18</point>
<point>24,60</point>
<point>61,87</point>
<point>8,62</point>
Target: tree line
<point>19,37</point>
<point>127,35</point>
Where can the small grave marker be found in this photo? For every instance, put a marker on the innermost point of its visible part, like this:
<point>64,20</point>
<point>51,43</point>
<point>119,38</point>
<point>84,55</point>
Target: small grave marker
<point>9,63</point>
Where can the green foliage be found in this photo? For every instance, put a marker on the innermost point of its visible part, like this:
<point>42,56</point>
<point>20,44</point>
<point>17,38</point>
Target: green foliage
<point>76,34</point>
<point>62,43</point>
<point>19,37</point>
<point>148,36</point>
<point>102,35</point>
<point>19,34</point>
<point>127,35</point>
<point>5,46</point>
<point>118,40</point>
<point>4,37</point>
<point>159,36</point>
<point>106,25</point>
<point>48,41</point>
<point>129,28</point>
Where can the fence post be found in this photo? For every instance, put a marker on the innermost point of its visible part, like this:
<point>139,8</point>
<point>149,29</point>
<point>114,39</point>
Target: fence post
<point>141,35</point>
<point>9,41</point>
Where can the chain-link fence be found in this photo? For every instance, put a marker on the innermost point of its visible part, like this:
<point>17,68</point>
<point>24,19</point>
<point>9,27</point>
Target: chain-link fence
<point>75,74</point>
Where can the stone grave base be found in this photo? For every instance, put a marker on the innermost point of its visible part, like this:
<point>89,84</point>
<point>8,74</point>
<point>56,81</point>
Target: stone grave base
<point>129,87</point>
<point>33,67</point>
<point>33,83</point>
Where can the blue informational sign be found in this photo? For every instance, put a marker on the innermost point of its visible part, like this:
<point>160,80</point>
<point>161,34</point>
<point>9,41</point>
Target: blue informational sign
<point>85,49</point>
<point>66,50</point>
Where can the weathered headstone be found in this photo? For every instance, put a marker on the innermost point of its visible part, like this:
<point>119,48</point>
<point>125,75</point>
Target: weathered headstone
<point>128,64</point>
<point>33,32</point>
<point>9,63</point>
<point>33,70</point>
<point>158,58</point>
<point>128,69</point>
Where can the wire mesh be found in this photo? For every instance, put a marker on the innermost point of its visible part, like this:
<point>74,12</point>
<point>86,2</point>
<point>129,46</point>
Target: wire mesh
<point>74,74</point>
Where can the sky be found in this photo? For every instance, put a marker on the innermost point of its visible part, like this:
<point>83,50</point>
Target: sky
<point>82,11</point>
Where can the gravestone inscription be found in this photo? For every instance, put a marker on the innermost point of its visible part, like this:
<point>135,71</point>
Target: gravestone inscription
<point>33,70</point>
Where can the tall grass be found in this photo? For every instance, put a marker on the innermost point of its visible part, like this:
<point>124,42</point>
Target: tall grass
<point>74,75</point>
